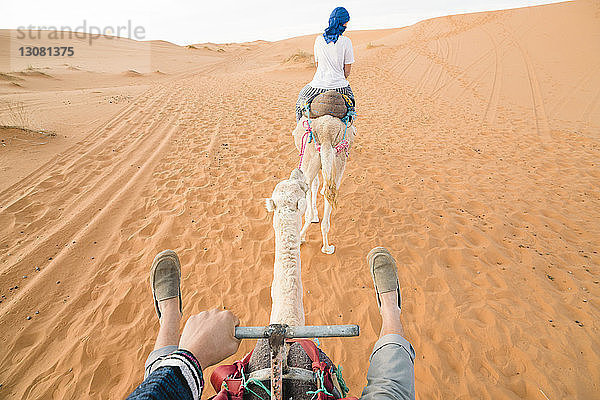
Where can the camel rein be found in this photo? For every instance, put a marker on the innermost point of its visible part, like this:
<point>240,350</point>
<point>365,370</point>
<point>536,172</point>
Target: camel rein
<point>343,145</point>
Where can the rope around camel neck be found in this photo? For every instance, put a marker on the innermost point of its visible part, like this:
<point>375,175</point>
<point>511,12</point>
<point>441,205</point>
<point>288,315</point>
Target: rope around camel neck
<point>308,131</point>
<point>343,145</point>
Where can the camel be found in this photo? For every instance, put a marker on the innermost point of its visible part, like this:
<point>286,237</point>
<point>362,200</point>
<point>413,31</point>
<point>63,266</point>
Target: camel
<point>328,132</point>
<point>288,203</point>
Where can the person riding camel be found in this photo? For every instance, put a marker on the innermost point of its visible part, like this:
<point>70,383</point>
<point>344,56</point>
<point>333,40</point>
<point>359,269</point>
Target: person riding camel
<point>333,57</point>
<point>175,369</point>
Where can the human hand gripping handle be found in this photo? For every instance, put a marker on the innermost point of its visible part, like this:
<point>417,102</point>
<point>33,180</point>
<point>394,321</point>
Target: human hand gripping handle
<point>210,336</point>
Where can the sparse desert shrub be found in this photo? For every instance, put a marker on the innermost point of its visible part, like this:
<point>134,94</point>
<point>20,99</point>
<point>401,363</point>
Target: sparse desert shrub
<point>299,57</point>
<point>15,115</point>
<point>371,45</point>
<point>9,77</point>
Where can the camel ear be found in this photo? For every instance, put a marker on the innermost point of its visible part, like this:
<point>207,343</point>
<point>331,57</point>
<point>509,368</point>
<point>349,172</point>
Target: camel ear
<point>304,186</point>
<point>297,174</point>
<point>270,204</point>
<point>301,205</point>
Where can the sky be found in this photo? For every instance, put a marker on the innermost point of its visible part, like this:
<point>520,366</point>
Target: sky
<point>221,21</point>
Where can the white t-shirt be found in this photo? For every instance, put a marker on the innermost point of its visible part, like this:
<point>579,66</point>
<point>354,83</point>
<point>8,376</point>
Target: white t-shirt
<point>331,58</point>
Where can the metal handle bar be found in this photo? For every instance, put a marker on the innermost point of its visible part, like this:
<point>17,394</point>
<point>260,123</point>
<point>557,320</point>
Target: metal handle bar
<point>316,331</point>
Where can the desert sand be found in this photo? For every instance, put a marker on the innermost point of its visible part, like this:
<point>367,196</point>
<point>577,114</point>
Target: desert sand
<point>476,163</point>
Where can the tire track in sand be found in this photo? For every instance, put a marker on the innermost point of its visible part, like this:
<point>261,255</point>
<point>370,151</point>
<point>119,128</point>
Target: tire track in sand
<point>72,186</point>
<point>144,135</point>
<point>541,119</point>
<point>86,209</point>
<point>489,116</point>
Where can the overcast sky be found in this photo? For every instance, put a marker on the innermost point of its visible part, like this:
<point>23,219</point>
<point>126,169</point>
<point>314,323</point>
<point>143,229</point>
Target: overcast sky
<point>196,21</point>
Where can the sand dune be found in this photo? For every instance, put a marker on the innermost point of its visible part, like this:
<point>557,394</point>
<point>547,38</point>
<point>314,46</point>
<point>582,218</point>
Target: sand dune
<point>476,163</point>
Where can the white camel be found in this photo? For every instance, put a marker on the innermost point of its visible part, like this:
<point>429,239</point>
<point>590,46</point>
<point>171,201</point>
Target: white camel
<point>328,132</point>
<point>287,203</point>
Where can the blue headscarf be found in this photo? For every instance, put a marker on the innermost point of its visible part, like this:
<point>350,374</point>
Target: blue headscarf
<point>339,16</point>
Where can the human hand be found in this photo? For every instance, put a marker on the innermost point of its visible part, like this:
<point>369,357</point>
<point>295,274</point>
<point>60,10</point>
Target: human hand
<point>209,336</point>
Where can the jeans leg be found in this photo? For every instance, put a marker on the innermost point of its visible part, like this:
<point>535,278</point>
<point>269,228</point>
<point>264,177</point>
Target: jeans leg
<point>391,373</point>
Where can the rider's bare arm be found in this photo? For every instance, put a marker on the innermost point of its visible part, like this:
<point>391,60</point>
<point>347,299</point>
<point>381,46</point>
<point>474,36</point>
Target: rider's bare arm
<point>347,68</point>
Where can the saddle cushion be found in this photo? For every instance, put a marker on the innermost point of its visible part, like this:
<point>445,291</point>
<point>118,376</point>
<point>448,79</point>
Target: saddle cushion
<point>328,103</point>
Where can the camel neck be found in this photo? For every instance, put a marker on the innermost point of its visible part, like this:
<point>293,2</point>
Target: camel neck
<point>287,235</point>
<point>286,290</point>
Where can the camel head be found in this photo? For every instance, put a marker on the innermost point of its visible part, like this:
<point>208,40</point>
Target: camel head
<point>289,196</point>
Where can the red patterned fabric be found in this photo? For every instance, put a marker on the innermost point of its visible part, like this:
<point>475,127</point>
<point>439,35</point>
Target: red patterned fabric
<point>231,375</point>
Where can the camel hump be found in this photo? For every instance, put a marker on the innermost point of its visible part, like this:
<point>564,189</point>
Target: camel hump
<point>328,103</point>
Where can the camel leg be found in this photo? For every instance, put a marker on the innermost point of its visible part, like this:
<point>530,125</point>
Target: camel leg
<point>314,190</point>
<point>325,224</point>
<point>307,218</point>
<point>310,172</point>
<point>327,248</point>
<point>322,189</point>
